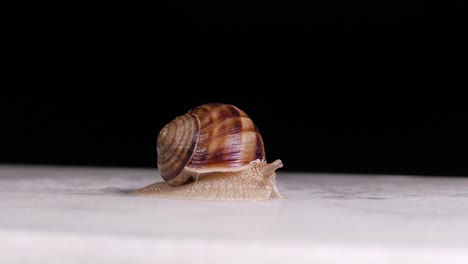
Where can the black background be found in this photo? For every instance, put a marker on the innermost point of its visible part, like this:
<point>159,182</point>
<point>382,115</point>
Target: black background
<point>333,86</point>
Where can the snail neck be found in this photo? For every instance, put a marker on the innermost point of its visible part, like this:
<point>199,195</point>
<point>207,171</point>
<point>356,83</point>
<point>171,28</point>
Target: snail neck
<point>259,174</point>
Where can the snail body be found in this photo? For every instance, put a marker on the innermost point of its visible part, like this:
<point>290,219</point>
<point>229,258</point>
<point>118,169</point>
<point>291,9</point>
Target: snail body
<point>213,152</point>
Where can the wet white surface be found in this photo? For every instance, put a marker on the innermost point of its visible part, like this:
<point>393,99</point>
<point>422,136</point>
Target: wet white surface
<point>83,215</point>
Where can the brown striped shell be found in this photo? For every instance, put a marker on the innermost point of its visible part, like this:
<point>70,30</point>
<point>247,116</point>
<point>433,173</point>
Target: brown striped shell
<point>209,138</point>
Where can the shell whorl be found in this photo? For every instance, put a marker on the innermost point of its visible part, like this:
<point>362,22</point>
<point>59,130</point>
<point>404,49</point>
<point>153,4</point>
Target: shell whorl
<point>175,144</point>
<point>211,137</point>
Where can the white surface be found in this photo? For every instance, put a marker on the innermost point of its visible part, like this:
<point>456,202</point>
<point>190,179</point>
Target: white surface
<point>82,215</point>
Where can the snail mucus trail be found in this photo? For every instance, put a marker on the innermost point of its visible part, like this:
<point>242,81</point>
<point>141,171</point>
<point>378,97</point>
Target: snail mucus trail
<point>213,152</point>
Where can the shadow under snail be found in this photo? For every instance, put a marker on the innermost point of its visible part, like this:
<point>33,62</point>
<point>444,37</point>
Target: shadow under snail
<point>213,152</point>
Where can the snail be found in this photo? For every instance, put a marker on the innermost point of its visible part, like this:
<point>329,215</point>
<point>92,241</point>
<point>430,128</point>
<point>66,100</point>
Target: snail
<point>213,152</point>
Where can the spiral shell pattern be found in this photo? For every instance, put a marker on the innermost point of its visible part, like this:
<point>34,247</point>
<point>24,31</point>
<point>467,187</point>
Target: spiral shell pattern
<point>175,145</point>
<point>211,137</point>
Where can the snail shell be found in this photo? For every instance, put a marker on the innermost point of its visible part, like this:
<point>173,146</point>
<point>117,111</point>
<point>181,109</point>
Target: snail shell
<point>213,152</point>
